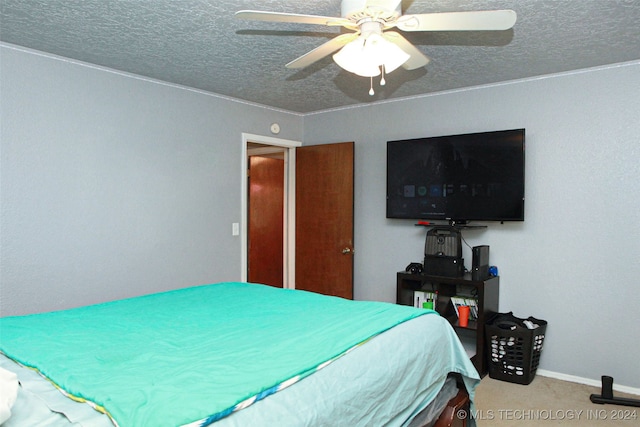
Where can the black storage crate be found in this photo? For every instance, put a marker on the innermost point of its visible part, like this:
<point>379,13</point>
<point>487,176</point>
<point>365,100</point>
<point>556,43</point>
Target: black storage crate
<point>514,349</point>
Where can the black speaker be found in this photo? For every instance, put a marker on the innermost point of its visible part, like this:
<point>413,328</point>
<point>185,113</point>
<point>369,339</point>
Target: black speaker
<point>480,262</point>
<point>443,241</point>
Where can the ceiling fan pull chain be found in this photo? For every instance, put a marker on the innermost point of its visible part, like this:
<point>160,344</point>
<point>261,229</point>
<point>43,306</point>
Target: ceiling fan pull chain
<point>382,80</point>
<point>371,92</point>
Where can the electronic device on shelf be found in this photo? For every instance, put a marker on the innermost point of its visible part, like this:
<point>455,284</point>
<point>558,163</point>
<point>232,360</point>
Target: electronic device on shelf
<point>458,178</point>
<point>443,252</point>
<point>414,268</point>
<point>480,262</point>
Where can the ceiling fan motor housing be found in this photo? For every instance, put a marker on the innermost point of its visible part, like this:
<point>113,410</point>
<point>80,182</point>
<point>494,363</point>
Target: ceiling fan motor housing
<point>356,10</point>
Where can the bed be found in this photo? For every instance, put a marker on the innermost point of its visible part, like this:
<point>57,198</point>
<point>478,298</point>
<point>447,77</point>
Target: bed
<point>236,354</point>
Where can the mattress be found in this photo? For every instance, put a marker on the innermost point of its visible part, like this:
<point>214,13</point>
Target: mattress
<point>384,381</point>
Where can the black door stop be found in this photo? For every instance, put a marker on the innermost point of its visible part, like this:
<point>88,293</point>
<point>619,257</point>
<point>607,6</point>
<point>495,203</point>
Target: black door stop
<point>607,395</point>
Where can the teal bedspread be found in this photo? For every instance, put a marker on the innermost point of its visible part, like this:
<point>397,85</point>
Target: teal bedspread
<point>192,355</point>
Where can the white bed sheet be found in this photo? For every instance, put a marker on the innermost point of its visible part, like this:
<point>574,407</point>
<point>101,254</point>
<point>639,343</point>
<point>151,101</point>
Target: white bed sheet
<point>40,404</point>
<point>385,382</point>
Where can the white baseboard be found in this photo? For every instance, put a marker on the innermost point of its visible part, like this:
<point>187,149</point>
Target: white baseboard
<point>587,381</point>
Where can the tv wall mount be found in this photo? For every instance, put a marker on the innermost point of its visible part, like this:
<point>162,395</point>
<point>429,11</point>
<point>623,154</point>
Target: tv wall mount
<point>459,225</point>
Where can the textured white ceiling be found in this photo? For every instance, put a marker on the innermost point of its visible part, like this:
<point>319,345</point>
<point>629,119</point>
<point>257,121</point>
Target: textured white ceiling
<point>199,44</point>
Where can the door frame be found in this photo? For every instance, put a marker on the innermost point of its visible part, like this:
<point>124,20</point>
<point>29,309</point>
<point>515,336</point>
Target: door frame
<point>289,227</point>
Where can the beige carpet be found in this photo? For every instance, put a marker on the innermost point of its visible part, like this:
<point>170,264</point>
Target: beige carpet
<point>548,402</point>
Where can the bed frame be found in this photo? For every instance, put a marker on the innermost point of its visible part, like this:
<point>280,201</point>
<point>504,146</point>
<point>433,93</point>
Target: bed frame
<point>460,404</point>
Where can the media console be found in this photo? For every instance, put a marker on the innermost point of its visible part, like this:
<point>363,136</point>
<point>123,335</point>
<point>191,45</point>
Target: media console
<point>486,292</point>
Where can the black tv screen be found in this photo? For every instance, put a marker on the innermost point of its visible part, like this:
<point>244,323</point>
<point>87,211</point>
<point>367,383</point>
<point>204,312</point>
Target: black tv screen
<point>476,176</point>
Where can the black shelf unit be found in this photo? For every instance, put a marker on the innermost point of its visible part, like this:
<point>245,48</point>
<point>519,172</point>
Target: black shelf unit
<point>486,291</point>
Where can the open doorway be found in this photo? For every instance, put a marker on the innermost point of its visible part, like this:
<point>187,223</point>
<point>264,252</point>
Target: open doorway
<point>318,215</point>
<point>265,214</point>
<point>273,161</point>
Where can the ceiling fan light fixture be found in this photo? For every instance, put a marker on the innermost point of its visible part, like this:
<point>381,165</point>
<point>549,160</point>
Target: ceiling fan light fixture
<point>365,55</point>
<point>353,58</point>
<point>389,55</point>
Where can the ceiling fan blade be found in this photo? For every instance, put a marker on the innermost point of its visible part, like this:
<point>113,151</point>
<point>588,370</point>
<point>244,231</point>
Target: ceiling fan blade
<point>416,58</point>
<point>323,50</point>
<point>492,20</point>
<point>257,15</point>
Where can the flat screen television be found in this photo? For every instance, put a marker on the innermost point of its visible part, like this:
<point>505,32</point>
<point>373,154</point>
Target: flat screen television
<point>459,178</point>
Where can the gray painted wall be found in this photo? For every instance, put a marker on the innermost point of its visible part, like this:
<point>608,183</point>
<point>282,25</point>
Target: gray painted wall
<point>113,186</point>
<point>574,261</point>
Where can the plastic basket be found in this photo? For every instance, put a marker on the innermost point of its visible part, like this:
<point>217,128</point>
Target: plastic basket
<point>514,349</point>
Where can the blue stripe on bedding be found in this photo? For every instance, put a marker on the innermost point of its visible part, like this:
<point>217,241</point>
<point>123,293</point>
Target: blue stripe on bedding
<point>192,355</point>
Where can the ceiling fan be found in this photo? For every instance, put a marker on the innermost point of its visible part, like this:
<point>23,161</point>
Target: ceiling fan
<point>372,49</point>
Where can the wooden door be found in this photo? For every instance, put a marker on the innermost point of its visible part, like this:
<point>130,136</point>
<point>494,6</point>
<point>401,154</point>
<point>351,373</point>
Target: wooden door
<point>324,219</point>
<point>266,218</point>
